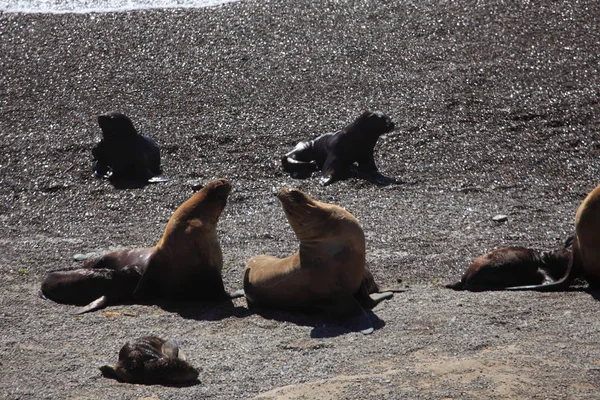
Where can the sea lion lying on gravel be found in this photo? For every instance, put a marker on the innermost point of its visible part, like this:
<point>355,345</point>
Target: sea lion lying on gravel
<point>151,360</point>
<point>123,154</point>
<point>106,280</point>
<point>187,261</point>
<point>585,260</point>
<point>513,267</point>
<point>335,154</point>
<point>327,273</point>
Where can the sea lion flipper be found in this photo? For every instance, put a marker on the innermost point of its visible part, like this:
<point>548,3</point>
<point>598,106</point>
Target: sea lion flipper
<point>170,349</point>
<point>344,305</point>
<point>236,294</point>
<point>158,179</point>
<point>330,171</point>
<point>97,304</point>
<point>379,297</point>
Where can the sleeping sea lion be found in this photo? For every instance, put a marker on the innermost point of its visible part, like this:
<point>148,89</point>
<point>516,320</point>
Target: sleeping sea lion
<point>150,360</point>
<point>511,267</point>
<point>123,154</point>
<point>109,279</point>
<point>187,261</point>
<point>586,247</point>
<point>327,272</point>
<point>335,154</point>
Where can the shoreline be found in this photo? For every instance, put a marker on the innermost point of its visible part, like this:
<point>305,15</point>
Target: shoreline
<point>162,5</point>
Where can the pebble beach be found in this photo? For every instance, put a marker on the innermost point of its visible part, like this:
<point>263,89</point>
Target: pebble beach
<point>497,112</point>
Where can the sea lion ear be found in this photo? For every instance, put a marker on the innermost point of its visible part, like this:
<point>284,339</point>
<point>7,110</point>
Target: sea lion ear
<point>170,349</point>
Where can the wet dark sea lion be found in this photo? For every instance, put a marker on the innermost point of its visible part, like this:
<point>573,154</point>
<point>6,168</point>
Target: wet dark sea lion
<point>106,280</point>
<point>512,267</point>
<point>335,154</point>
<point>151,360</point>
<point>327,273</point>
<point>187,261</point>
<point>123,154</point>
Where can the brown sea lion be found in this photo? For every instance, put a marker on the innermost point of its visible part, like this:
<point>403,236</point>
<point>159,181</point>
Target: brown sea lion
<point>187,261</point>
<point>585,260</point>
<point>151,360</point>
<point>123,154</point>
<point>109,279</point>
<point>512,267</point>
<point>586,248</point>
<point>327,272</point>
<point>336,153</point>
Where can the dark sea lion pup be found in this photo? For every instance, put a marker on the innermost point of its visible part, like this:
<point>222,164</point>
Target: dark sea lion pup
<point>513,267</point>
<point>151,360</point>
<point>123,154</point>
<point>187,261</point>
<point>327,273</point>
<point>342,154</point>
<point>106,280</point>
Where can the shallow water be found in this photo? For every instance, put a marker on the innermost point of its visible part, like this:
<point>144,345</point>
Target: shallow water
<point>86,6</point>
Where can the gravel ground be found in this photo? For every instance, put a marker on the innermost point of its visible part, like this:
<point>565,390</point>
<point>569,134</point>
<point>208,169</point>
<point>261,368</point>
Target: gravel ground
<point>497,112</point>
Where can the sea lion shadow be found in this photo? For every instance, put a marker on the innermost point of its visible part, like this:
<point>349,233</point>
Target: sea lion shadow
<point>172,385</point>
<point>125,184</point>
<point>594,292</point>
<point>204,310</point>
<point>323,325</point>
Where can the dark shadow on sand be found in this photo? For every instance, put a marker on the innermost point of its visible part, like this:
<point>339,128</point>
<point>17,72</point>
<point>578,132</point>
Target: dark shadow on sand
<point>202,310</point>
<point>323,325</point>
<point>173,385</point>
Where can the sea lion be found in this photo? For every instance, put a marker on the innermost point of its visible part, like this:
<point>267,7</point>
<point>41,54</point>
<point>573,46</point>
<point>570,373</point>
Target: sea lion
<point>513,267</point>
<point>336,153</point>
<point>187,261</point>
<point>585,260</point>
<point>586,248</point>
<point>151,360</point>
<point>327,273</point>
<point>109,279</point>
<point>123,154</point>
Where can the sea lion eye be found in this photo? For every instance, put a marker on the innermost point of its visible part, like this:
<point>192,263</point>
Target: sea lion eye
<point>297,196</point>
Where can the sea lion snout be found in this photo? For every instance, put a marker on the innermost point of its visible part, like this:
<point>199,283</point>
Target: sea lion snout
<point>219,188</point>
<point>291,194</point>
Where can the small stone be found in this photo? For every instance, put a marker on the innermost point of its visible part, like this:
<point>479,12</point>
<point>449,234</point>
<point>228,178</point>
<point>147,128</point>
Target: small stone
<point>80,257</point>
<point>500,218</point>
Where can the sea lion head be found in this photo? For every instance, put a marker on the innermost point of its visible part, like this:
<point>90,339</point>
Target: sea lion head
<point>304,214</point>
<point>115,125</point>
<point>375,122</point>
<point>209,202</point>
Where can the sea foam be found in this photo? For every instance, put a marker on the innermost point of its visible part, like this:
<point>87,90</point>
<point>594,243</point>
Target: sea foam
<point>89,6</point>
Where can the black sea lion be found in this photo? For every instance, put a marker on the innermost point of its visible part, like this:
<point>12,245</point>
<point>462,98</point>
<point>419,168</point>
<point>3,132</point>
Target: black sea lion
<point>513,267</point>
<point>106,280</point>
<point>187,261</point>
<point>336,154</point>
<point>123,154</point>
<point>327,272</point>
<point>150,360</point>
